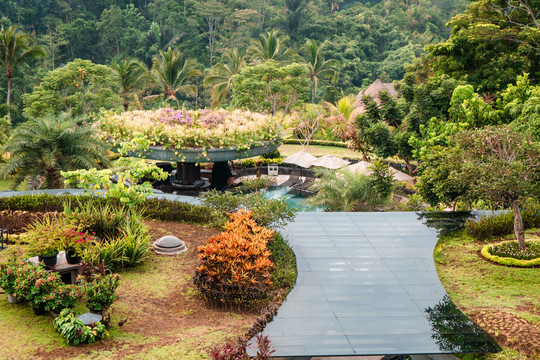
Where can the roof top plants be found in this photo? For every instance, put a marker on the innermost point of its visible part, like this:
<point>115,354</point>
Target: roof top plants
<point>187,129</point>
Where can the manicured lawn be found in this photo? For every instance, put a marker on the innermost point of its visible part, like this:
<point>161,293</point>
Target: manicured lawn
<point>5,184</point>
<point>503,300</point>
<point>320,150</point>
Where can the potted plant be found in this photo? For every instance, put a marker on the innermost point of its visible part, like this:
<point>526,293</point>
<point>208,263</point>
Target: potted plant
<point>32,283</point>
<point>74,242</point>
<point>8,275</point>
<point>43,238</point>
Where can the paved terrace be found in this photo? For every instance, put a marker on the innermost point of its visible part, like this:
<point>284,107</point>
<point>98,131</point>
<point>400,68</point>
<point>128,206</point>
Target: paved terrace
<point>367,285</point>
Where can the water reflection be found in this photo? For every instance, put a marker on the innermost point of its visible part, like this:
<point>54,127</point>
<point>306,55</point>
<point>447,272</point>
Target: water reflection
<point>445,221</point>
<point>454,332</point>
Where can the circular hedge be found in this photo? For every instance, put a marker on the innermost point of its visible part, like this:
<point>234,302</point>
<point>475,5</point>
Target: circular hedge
<point>488,253</point>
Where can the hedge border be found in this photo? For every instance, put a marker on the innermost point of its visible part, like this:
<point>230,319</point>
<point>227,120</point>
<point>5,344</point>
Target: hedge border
<point>508,261</point>
<point>318,142</point>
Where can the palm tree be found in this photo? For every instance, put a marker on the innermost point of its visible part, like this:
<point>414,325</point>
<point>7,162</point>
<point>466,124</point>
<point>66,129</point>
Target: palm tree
<point>16,48</point>
<point>346,191</point>
<point>172,72</point>
<point>270,47</point>
<point>221,75</point>
<point>46,146</point>
<point>319,68</point>
<point>132,74</point>
<point>345,109</point>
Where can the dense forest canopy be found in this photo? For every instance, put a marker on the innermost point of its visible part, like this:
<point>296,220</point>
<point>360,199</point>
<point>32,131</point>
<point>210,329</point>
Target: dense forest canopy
<point>370,39</point>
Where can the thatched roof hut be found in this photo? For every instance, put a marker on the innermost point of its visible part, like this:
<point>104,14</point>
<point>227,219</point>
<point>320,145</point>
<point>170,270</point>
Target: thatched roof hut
<point>373,90</point>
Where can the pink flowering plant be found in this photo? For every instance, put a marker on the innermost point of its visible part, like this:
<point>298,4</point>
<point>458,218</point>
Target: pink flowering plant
<point>44,289</point>
<point>8,275</point>
<point>73,238</point>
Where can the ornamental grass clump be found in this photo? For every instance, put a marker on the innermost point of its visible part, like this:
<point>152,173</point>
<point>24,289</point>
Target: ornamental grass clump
<point>235,264</point>
<point>184,129</point>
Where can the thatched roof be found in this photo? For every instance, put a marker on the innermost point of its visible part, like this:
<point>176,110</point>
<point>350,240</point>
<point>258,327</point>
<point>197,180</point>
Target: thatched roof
<point>373,90</point>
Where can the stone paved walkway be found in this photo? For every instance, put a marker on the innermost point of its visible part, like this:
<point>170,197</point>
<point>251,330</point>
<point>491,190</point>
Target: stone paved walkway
<point>367,285</point>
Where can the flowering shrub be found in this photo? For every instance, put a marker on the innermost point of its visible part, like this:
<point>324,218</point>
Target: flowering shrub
<point>235,264</point>
<point>184,129</point>
<point>512,250</point>
<point>44,289</point>
<point>8,275</point>
<point>99,287</point>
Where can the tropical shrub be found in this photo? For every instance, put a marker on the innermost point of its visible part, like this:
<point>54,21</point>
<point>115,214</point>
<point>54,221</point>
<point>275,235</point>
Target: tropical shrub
<point>235,264</point>
<point>237,351</point>
<point>183,129</point>
<point>344,190</point>
<point>74,330</point>
<point>256,184</point>
<point>500,224</point>
<point>266,212</point>
<point>98,287</point>
<point>284,273</point>
<point>130,248</point>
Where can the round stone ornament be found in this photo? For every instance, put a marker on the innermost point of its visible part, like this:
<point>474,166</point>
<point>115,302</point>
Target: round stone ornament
<point>169,245</point>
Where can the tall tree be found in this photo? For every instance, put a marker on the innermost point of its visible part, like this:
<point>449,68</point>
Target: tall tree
<point>319,68</point>
<point>132,75</point>
<point>16,47</point>
<point>213,13</point>
<point>47,146</point>
<point>270,46</point>
<point>496,164</point>
<point>172,72</point>
<point>221,75</point>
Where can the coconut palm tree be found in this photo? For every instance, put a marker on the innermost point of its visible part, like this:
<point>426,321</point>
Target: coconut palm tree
<point>172,72</point>
<point>132,75</point>
<point>319,68</point>
<point>270,47</point>
<point>46,146</point>
<point>16,48</point>
<point>221,75</point>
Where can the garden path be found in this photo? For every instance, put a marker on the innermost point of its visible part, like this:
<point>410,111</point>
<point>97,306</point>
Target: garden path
<point>367,285</point>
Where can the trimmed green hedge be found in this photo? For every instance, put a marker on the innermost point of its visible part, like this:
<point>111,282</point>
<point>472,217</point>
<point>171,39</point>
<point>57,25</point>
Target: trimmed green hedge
<point>508,260</point>
<point>159,209</point>
<point>318,142</point>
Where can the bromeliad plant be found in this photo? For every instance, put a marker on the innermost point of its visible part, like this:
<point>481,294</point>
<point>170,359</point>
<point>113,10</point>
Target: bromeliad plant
<point>184,129</point>
<point>235,264</point>
<point>74,330</point>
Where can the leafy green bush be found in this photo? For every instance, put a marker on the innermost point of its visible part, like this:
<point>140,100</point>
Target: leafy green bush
<point>487,227</point>
<point>159,209</point>
<point>272,155</point>
<point>99,287</point>
<point>74,330</point>
<point>284,272</point>
<point>258,183</point>
<point>250,163</point>
<point>319,142</point>
<point>267,212</point>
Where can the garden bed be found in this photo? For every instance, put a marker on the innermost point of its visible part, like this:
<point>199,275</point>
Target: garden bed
<point>503,300</point>
<point>165,316</point>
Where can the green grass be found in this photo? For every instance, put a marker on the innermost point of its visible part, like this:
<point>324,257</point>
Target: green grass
<point>475,284</point>
<point>320,150</point>
<point>5,184</point>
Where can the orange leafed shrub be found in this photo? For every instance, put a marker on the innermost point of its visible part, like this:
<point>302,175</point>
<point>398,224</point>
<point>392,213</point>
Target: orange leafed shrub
<point>239,255</point>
